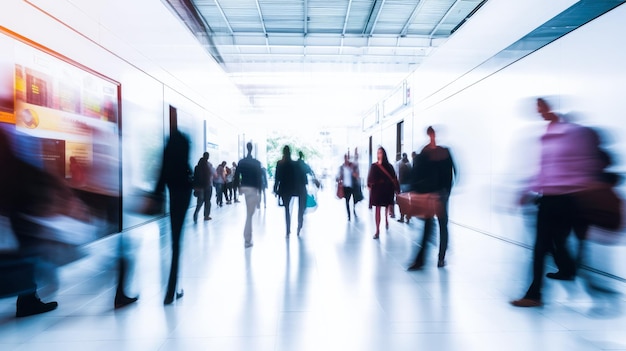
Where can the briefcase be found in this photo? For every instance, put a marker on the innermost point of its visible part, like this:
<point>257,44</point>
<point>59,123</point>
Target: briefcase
<point>419,205</point>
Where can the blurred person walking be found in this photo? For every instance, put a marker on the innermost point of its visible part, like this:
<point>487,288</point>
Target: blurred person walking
<point>228,185</point>
<point>235,184</point>
<point>433,172</point>
<point>27,193</point>
<point>404,178</point>
<point>175,174</point>
<point>348,179</point>
<point>290,181</point>
<point>570,165</point>
<point>248,174</point>
<point>203,186</point>
<point>219,181</point>
<point>383,185</point>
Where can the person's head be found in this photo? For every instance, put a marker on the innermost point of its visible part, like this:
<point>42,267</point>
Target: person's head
<point>286,152</point>
<point>223,163</point>
<point>544,109</point>
<point>405,157</point>
<point>346,158</point>
<point>205,156</point>
<point>381,155</point>
<point>234,164</point>
<point>413,154</point>
<point>301,155</point>
<point>248,147</point>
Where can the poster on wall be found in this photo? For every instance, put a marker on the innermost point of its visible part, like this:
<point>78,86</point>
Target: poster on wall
<point>64,119</point>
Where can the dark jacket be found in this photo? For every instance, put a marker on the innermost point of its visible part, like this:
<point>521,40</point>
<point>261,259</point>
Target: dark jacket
<point>175,170</point>
<point>433,170</point>
<point>248,173</point>
<point>290,179</point>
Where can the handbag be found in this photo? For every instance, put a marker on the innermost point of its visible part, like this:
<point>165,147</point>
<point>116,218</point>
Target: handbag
<point>340,192</point>
<point>600,207</point>
<point>427,205</point>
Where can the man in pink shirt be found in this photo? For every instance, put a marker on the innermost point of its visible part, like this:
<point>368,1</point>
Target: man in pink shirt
<point>570,163</point>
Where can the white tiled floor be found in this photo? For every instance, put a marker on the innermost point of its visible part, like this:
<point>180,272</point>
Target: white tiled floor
<point>334,288</point>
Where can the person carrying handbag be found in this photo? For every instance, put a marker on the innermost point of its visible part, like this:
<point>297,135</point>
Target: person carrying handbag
<point>383,185</point>
<point>433,173</point>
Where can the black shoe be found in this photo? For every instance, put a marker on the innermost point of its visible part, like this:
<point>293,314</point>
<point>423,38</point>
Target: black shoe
<point>560,276</point>
<point>169,299</point>
<point>441,263</point>
<point>416,266</point>
<point>123,300</point>
<point>31,305</point>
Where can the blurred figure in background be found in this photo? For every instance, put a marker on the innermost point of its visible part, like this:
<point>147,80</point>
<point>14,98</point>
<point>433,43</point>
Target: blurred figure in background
<point>290,181</point>
<point>404,177</point>
<point>570,164</point>
<point>348,177</point>
<point>219,181</point>
<point>433,172</point>
<point>383,185</point>
<point>203,186</point>
<point>175,174</point>
<point>248,174</point>
<point>228,184</point>
<point>26,193</point>
<point>236,185</point>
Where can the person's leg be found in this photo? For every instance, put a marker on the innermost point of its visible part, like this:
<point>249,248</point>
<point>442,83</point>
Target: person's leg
<point>199,203</point>
<point>442,218</point>
<point>208,191</point>
<point>252,200</point>
<point>301,209</point>
<point>565,223</point>
<point>377,221</point>
<point>121,299</point>
<point>287,205</point>
<point>347,194</point>
<point>179,202</point>
<point>543,243</point>
<point>419,260</point>
<point>387,215</point>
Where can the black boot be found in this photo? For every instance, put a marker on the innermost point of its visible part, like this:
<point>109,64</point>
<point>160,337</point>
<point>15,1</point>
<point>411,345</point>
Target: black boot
<point>31,304</point>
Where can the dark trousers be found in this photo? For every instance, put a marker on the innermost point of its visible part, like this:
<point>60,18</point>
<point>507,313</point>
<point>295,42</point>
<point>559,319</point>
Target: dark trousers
<point>179,203</point>
<point>204,198</point>
<point>347,194</point>
<point>301,207</point>
<point>556,218</point>
<point>442,218</point>
<point>219,193</point>
<point>228,191</point>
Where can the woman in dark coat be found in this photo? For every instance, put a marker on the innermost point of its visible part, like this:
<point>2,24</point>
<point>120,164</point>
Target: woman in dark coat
<point>383,185</point>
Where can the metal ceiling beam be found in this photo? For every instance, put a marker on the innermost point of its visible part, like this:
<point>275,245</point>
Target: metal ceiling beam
<point>372,23</point>
<point>306,17</point>
<point>219,8</point>
<point>345,20</point>
<point>408,22</point>
<point>345,25</point>
<point>189,14</point>
<point>258,9</point>
<point>445,16</point>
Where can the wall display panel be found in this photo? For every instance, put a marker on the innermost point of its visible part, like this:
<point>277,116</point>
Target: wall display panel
<point>65,119</point>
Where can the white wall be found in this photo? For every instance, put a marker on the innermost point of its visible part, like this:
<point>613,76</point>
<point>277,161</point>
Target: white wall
<point>492,127</point>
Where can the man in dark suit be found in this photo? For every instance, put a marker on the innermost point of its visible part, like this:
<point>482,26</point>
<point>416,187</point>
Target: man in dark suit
<point>290,181</point>
<point>175,173</point>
